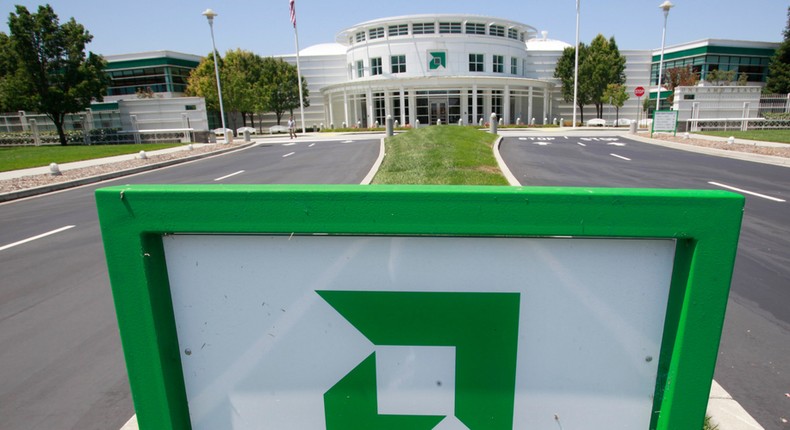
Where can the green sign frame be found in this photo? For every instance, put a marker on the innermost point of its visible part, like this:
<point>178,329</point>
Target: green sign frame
<point>704,224</point>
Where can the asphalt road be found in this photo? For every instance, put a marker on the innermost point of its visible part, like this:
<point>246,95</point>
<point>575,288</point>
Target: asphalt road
<point>61,362</point>
<point>754,363</point>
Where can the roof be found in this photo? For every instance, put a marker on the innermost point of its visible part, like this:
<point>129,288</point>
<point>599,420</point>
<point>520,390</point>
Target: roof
<point>323,49</point>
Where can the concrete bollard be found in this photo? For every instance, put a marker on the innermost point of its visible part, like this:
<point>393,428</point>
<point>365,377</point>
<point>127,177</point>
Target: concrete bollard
<point>54,169</point>
<point>460,122</point>
<point>359,124</point>
<point>390,126</point>
<point>438,121</point>
<point>345,125</point>
<point>397,123</point>
<point>142,155</point>
<point>545,120</point>
<point>632,127</point>
<point>686,135</point>
<point>376,124</point>
<point>731,140</point>
<point>518,121</point>
<point>501,121</point>
<point>247,136</point>
<point>562,122</point>
<point>190,147</point>
<point>480,123</point>
<point>417,124</point>
<point>493,130</point>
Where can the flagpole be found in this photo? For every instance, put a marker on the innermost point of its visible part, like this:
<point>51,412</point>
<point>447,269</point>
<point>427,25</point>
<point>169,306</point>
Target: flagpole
<point>298,72</point>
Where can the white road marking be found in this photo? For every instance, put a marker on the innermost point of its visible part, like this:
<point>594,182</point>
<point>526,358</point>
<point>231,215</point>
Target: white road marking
<point>348,141</point>
<point>289,154</point>
<point>311,145</point>
<point>580,144</point>
<point>541,143</point>
<point>616,144</point>
<point>620,157</point>
<point>747,192</point>
<point>289,144</point>
<point>30,239</point>
<point>228,176</point>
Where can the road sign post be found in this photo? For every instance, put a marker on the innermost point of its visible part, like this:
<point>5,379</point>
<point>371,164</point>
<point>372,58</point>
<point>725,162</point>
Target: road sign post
<point>351,307</point>
<point>665,121</point>
<point>639,92</point>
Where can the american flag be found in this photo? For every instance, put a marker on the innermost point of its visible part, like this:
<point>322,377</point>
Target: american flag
<point>293,12</point>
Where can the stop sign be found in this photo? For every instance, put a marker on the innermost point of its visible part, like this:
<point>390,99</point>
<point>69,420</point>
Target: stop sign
<point>639,91</point>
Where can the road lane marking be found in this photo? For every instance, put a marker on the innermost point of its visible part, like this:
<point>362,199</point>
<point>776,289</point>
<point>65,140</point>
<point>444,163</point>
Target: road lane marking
<point>747,192</point>
<point>30,239</point>
<point>616,143</point>
<point>228,176</point>
<point>289,154</point>
<point>581,144</point>
<point>620,157</point>
<point>289,144</point>
<point>311,145</point>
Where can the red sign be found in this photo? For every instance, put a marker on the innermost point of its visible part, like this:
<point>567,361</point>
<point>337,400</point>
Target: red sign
<point>639,91</point>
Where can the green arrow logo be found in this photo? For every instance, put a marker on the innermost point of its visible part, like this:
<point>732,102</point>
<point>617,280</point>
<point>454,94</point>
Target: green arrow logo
<point>483,328</point>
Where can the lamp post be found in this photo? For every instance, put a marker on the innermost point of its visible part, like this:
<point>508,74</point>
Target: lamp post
<point>210,14</point>
<point>666,6</point>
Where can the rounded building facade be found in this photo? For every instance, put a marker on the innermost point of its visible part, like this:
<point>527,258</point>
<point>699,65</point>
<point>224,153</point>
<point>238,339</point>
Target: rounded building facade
<point>437,69</point>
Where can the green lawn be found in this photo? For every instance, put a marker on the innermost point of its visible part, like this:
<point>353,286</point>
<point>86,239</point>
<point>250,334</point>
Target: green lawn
<point>442,155</point>
<point>23,157</point>
<point>782,136</point>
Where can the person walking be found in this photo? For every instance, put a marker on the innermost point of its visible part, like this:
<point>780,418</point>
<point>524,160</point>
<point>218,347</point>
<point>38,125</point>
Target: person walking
<point>292,127</point>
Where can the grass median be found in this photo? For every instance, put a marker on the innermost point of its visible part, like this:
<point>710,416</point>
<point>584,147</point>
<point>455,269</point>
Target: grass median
<point>23,157</point>
<point>440,155</point>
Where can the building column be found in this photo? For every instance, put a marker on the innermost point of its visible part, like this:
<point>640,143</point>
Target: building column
<point>345,108</point>
<point>546,105</point>
<point>529,107</point>
<point>388,106</point>
<point>413,107</point>
<point>402,107</point>
<point>475,119</point>
<point>464,106</point>
<point>506,105</point>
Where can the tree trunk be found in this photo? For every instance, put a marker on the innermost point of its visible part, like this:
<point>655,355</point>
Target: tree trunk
<point>58,120</point>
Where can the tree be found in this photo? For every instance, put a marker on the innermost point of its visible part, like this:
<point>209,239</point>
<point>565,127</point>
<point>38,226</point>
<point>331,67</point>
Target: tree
<point>600,64</point>
<point>52,74</point>
<point>616,95</point>
<point>282,87</point>
<point>720,77</point>
<point>679,77</point>
<point>779,67</point>
<point>565,73</point>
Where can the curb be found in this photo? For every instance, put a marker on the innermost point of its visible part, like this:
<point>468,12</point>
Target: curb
<point>737,155</point>
<point>511,179</point>
<point>30,192</point>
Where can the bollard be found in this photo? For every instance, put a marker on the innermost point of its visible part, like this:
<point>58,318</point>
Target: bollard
<point>345,125</point>
<point>390,126</point>
<point>359,124</point>
<point>417,124</point>
<point>377,124</point>
<point>532,121</point>
<point>54,169</point>
<point>731,140</point>
<point>332,126</point>
<point>492,130</point>
<point>247,136</point>
<point>190,147</point>
<point>686,135</point>
<point>321,126</point>
<point>545,120</point>
<point>397,124</point>
<point>632,127</point>
<point>518,121</point>
<point>481,122</point>
<point>438,121</point>
<point>460,122</point>
<point>142,155</point>
<point>562,122</point>
<point>501,121</point>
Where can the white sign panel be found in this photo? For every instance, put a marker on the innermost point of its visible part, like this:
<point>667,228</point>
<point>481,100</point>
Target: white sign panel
<point>665,121</point>
<point>271,330</point>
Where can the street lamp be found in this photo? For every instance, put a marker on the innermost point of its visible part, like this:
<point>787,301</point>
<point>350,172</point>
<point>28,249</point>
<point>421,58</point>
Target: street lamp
<point>210,14</point>
<point>666,6</point>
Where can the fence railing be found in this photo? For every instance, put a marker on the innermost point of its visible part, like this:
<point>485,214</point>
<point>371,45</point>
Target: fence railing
<point>98,137</point>
<point>740,124</point>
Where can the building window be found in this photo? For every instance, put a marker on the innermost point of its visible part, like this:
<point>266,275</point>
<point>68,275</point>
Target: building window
<point>496,102</point>
<point>514,66</point>
<point>496,30</point>
<point>450,27</point>
<point>512,33</point>
<point>375,66</point>
<point>499,64</point>
<point>360,36</point>
<point>423,28</point>
<point>360,69</point>
<point>376,33</point>
<point>477,63</point>
<point>398,63</point>
<point>475,28</point>
<point>398,30</point>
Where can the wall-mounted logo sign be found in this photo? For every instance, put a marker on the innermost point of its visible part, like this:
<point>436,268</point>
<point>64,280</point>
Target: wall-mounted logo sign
<point>437,60</point>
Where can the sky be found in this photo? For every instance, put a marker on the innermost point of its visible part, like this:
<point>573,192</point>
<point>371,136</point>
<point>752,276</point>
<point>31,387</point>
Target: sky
<point>264,27</point>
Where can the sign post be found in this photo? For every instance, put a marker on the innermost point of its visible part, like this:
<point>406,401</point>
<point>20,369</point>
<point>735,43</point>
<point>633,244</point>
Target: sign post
<point>412,307</point>
<point>639,92</point>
